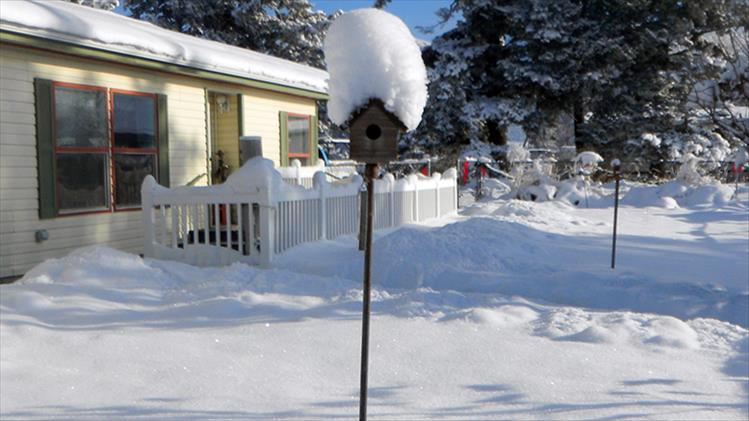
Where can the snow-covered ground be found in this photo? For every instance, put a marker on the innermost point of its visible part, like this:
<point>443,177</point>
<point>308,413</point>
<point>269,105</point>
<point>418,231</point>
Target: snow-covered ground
<point>507,311</point>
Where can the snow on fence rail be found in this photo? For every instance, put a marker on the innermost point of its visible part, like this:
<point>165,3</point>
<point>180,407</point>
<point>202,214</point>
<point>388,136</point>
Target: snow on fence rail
<point>298,175</point>
<point>256,214</point>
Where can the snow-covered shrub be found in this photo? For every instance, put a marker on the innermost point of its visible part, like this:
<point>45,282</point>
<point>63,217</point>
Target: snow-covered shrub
<point>689,172</point>
<point>586,163</point>
<point>577,190</point>
<point>517,153</point>
<point>677,193</point>
<point>531,179</point>
<point>740,157</point>
<point>709,147</point>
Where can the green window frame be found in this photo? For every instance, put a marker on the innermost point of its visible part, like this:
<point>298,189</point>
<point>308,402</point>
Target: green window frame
<point>286,154</point>
<point>50,151</point>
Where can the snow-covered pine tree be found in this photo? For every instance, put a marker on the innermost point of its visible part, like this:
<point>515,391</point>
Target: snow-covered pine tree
<point>290,29</point>
<point>381,4</point>
<point>617,66</point>
<point>720,96</point>
<point>650,96</point>
<point>99,4</point>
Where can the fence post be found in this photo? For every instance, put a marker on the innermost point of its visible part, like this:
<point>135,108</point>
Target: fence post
<point>455,192</point>
<point>391,197</point>
<point>415,180</point>
<point>297,165</point>
<point>319,182</point>
<point>267,228</point>
<point>436,177</point>
<point>149,235</point>
<point>452,175</point>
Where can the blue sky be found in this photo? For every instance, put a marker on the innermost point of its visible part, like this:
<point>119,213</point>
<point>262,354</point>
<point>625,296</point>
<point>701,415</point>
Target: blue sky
<point>413,12</point>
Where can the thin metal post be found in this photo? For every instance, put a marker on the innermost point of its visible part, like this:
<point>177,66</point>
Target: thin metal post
<point>370,173</point>
<point>616,215</point>
<point>363,199</point>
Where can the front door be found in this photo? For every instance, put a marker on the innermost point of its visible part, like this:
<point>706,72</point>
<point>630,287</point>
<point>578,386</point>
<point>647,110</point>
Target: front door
<point>224,134</point>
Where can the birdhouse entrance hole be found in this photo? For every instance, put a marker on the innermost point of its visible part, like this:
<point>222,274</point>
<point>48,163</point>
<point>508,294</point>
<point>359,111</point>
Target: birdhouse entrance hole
<point>373,132</point>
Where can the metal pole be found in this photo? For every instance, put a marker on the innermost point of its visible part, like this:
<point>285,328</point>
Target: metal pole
<point>616,215</point>
<point>362,220</point>
<point>370,173</point>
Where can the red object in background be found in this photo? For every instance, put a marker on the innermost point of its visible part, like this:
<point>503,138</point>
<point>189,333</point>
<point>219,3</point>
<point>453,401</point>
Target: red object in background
<point>222,215</point>
<point>483,171</point>
<point>737,169</point>
<point>465,172</point>
<point>424,171</point>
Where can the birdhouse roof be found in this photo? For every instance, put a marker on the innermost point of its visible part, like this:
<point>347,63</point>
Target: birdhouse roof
<point>377,104</point>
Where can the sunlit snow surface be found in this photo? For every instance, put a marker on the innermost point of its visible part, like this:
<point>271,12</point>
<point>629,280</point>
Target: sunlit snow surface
<point>508,311</point>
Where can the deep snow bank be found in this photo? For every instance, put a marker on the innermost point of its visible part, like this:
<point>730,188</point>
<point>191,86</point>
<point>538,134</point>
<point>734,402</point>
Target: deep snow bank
<point>99,287</point>
<point>578,192</point>
<point>677,192</point>
<point>554,253</point>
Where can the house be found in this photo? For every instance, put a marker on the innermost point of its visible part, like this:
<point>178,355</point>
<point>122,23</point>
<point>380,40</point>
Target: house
<point>91,102</point>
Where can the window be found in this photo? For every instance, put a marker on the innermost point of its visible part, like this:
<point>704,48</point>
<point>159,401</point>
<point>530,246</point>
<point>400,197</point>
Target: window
<point>81,148</point>
<point>299,138</point>
<point>134,149</point>
<point>103,143</point>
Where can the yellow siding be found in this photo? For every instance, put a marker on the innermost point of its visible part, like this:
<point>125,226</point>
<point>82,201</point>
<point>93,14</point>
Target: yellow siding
<point>188,149</point>
<point>260,111</point>
<point>19,214</point>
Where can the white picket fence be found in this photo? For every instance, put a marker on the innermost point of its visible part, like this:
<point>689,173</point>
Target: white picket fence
<point>221,224</point>
<point>299,175</point>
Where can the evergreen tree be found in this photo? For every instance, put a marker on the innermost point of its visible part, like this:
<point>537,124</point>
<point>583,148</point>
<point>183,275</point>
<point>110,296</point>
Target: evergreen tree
<point>619,67</point>
<point>720,95</point>
<point>289,29</point>
<point>98,4</point>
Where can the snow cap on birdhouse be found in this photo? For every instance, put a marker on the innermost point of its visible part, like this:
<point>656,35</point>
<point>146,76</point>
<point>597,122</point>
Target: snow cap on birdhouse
<point>377,81</point>
<point>374,133</point>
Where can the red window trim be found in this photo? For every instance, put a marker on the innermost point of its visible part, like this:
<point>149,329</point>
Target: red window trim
<point>110,150</point>
<point>75,149</point>
<point>131,151</point>
<point>308,155</point>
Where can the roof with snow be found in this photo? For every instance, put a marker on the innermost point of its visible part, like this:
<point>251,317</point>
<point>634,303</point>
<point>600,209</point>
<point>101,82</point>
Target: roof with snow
<point>84,26</point>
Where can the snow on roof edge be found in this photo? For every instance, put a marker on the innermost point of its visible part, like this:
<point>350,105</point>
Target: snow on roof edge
<point>229,60</point>
<point>94,46</point>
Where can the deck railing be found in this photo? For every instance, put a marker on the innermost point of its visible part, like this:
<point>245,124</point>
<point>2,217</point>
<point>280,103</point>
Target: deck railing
<point>300,175</point>
<point>254,221</point>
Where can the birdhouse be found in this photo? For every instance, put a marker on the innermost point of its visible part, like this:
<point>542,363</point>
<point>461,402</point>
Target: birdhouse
<point>374,134</point>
